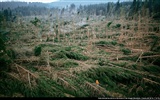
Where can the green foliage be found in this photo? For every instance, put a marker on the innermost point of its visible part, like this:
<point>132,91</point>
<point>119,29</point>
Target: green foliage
<point>113,42</point>
<point>44,88</point>
<point>148,53</point>
<point>110,76</point>
<point>157,49</point>
<point>66,23</point>
<point>11,53</point>
<point>76,56</point>
<point>68,48</point>
<point>109,23</point>
<point>155,41</point>
<point>70,64</point>
<point>133,66</point>
<point>118,25</point>
<point>37,50</point>
<point>83,26</point>
<point>102,36</point>
<point>134,58</point>
<point>106,43</point>
<point>157,62</point>
<point>126,51</point>
<point>96,29</point>
<point>134,8</point>
<point>5,55</point>
<point>152,69</point>
<point>67,53</point>
<point>121,81</point>
<point>121,45</point>
<point>35,21</point>
<point>103,52</point>
<point>63,63</point>
<point>87,18</point>
<point>128,26</point>
<point>102,42</point>
<point>2,42</point>
<point>61,35</point>
<point>59,54</point>
<point>5,62</point>
<point>122,64</point>
<point>102,62</point>
<point>56,39</point>
<point>11,86</point>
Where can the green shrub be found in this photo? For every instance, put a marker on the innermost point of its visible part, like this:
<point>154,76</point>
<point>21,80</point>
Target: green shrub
<point>37,50</point>
<point>87,18</point>
<point>109,23</point>
<point>118,25</point>
<point>121,45</point>
<point>126,51</point>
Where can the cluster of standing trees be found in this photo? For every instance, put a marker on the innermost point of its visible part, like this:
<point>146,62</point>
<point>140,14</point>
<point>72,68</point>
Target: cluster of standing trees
<point>105,9</point>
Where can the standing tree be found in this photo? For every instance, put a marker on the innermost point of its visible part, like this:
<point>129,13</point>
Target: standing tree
<point>72,7</point>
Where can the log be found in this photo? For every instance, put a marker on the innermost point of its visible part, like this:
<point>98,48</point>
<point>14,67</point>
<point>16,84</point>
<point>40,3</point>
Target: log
<point>150,56</point>
<point>25,70</point>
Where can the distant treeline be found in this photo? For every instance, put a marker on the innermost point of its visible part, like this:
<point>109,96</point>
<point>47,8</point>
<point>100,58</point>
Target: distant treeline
<point>15,4</point>
<point>124,8</point>
<point>118,9</point>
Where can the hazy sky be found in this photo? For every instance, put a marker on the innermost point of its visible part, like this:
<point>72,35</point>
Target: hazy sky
<point>46,1</point>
